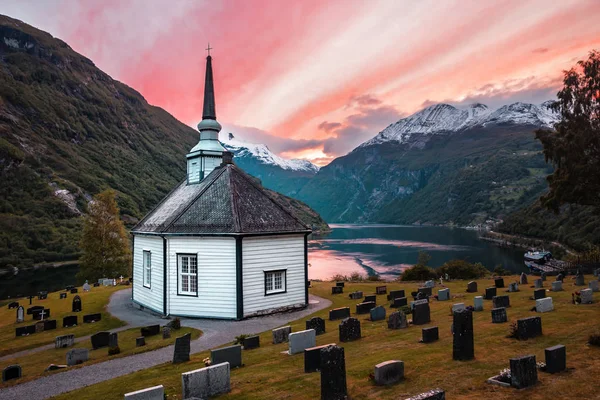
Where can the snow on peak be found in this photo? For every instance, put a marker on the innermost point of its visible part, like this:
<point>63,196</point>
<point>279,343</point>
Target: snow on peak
<point>266,156</point>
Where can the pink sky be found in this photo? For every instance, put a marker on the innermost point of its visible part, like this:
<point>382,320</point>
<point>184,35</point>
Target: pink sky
<point>314,79</point>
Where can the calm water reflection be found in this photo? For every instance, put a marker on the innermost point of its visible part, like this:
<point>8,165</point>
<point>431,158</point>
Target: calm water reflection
<point>387,249</point>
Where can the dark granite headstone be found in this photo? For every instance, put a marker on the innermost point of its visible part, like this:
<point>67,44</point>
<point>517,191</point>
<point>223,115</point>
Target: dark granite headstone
<point>371,298</point>
<point>528,328</point>
<point>252,342</point>
<point>13,304</point>
<point>337,290</point>
<point>463,348</point>
<point>395,294</point>
<point>539,294</point>
<point>316,323</point>
<point>74,290</point>
<point>45,313</point>
<point>425,290</point>
<point>421,314</point>
<point>25,330</point>
<point>430,334</point>
<point>230,354</point>
<point>560,277</point>
<point>543,276</point>
<point>389,372</point>
<point>182,348</point>
<point>113,340</point>
<point>377,313</point>
<point>139,342</point>
<point>339,284</point>
<point>523,278</point>
<point>96,284</point>
<point>349,330</point>
<point>356,295</point>
<point>333,373</point>
<point>11,372</point>
<point>523,372</point>
<point>499,315</point>
<point>63,296</point>
<point>150,330</point>
<point>43,295</point>
<point>381,289</point>
<point>49,324</point>
<point>34,309</point>
<point>166,332</point>
<point>490,293</point>
<point>70,321</point>
<point>92,318</point>
<point>339,313</point>
<point>435,394</point>
<point>69,287</point>
<point>501,301</point>
<point>100,340</point>
<point>312,358</point>
<point>499,282</point>
<point>399,302</point>
<point>472,287</point>
<point>364,308</point>
<point>397,320</point>
<point>76,307</point>
<point>556,359</point>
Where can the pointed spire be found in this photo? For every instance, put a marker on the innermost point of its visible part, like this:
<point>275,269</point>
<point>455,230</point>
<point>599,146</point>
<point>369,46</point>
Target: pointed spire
<point>208,111</point>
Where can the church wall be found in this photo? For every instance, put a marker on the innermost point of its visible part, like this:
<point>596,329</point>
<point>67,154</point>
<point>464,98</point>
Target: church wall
<point>216,296</point>
<point>268,253</point>
<point>148,297</point>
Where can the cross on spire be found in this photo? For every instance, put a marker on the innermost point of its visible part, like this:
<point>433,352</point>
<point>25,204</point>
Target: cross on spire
<point>209,48</point>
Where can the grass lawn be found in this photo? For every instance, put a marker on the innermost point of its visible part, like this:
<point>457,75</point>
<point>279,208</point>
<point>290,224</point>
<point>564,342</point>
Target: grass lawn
<point>92,302</point>
<point>33,365</point>
<point>269,374</point>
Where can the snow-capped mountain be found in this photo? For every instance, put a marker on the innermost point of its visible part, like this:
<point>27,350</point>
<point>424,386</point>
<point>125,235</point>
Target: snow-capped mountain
<point>444,118</point>
<point>262,154</point>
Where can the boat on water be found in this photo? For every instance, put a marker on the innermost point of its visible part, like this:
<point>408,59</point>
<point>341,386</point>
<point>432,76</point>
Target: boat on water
<point>542,261</point>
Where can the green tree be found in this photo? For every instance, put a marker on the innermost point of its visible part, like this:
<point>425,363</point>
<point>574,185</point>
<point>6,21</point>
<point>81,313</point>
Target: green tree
<point>104,244</point>
<point>574,145</point>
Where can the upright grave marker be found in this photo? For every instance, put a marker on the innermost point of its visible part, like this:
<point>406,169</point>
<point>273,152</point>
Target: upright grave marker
<point>316,323</point>
<point>523,372</point>
<point>389,372</point>
<point>229,354</point>
<point>556,358</point>
<point>181,352</point>
<point>20,314</point>
<point>463,348</point>
<point>349,330</point>
<point>206,382</point>
<point>300,341</point>
<point>282,334</point>
<point>76,306</point>
<point>333,373</point>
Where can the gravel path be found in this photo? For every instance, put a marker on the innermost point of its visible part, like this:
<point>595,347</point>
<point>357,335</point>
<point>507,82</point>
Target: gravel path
<point>215,333</point>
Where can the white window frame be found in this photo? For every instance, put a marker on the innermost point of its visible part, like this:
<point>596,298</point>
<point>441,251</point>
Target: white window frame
<point>273,285</point>
<point>186,277</point>
<point>146,268</point>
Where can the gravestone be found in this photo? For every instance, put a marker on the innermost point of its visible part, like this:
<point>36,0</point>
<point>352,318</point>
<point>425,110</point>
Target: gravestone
<point>421,314</point>
<point>538,284</point>
<point>556,358</point>
<point>86,287</point>
<point>166,332</point>
<point>394,294</point>
<point>389,372</point>
<point>499,315</point>
<point>13,304</point>
<point>429,284</point>
<point>586,296</point>
<point>523,372</point>
<point>77,356</point>
<point>528,328</point>
<point>557,286</point>
<point>339,284</point>
<point>513,287</point>
<point>501,301</point>
<point>76,307</point>
<point>69,287</point>
<point>43,295</point>
<point>381,289</point>
<point>579,279</point>
<point>349,330</point>
<point>206,382</point>
<point>39,327</point>
<point>435,394</point>
<point>377,313</point>
<point>458,306</point>
<point>63,296</point>
<point>230,354</point>
<point>140,341</point>
<point>462,347</point>
<point>24,330</point>
<point>499,282</point>
<point>560,277</point>
<point>251,342</point>
<point>113,340</point>
<point>490,293</point>
<point>371,298</point>
<point>87,319</point>
<point>425,290</point>
<point>49,324</point>
<point>478,303</point>
<point>316,323</point>
<point>96,284</point>
<point>544,305</point>
<point>333,373</point>
<point>523,279</point>
<point>543,276</point>
<point>356,295</point>
<point>34,309</point>
<point>74,290</point>
<point>312,358</point>
<point>181,352</point>
<point>364,308</point>
<point>399,302</point>
<point>299,341</point>
<point>151,330</point>
<point>339,313</point>
<point>281,335</point>
<point>337,290</point>
<point>20,314</point>
<point>444,294</point>
<point>100,340</point>
<point>11,372</point>
<point>70,321</point>
<point>152,393</point>
<point>429,335</point>
<point>539,294</point>
<point>64,341</point>
<point>40,315</point>
<point>414,303</point>
<point>397,320</point>
<point>593,285</point>
<point>472,287</point>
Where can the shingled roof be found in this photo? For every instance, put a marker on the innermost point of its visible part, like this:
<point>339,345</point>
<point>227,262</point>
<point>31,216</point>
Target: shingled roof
<point>226,201</point>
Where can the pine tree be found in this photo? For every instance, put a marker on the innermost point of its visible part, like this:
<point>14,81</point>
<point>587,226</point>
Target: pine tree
<point>574,146</point>
<point>104,243</point>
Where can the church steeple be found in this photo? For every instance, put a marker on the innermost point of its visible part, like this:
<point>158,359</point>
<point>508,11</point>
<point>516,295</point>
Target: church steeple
<point>208,153</point>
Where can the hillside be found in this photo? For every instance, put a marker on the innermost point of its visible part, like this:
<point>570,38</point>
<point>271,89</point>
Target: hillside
<point>68,131</point>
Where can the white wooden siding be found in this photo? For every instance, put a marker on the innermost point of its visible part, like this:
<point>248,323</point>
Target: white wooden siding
<point>210,163</point>
<point>272,253</point>
<point>216,277</point>
<point>194,170</point>
<point>149,297</point>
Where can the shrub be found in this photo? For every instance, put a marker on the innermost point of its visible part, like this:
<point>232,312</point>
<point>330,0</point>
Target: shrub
<point>513,331</point>
<point>240,339</point>
<point>418,273</point>
<point>175,324</point>
<point>594,339</point>
<point>356,277</point>
<point>113,350</point>
<point>339,278</point>
<point>374,278</point>
<point>405,309</point>
<point>461,269</point>
<point>500,271</point>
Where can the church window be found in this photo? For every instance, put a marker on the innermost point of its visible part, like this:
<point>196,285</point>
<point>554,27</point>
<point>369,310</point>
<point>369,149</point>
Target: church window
<point>275,282</point>
<point>188,274</point>
<point>147,268</point>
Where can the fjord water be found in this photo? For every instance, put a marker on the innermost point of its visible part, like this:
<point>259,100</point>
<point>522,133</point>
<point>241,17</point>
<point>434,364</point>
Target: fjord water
<point>387,249</point>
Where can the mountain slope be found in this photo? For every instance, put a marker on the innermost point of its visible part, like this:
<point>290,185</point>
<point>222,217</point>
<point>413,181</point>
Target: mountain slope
<point>68,131</point>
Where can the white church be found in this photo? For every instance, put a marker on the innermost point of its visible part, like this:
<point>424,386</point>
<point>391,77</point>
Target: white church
<point>219,246</point>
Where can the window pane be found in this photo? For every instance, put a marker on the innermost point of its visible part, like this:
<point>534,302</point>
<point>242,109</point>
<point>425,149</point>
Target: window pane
<point>278,280</point>
<point>269,282</point>
<point>184,283</point>
<point>193,284</point>
<point>193,265</point>
<point>184,264</point>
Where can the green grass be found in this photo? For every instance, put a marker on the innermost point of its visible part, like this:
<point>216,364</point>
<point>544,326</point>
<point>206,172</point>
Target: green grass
<point>269,374</point>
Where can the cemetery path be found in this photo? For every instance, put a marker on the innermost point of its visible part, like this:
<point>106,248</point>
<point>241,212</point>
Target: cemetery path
<point>215,333</point>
